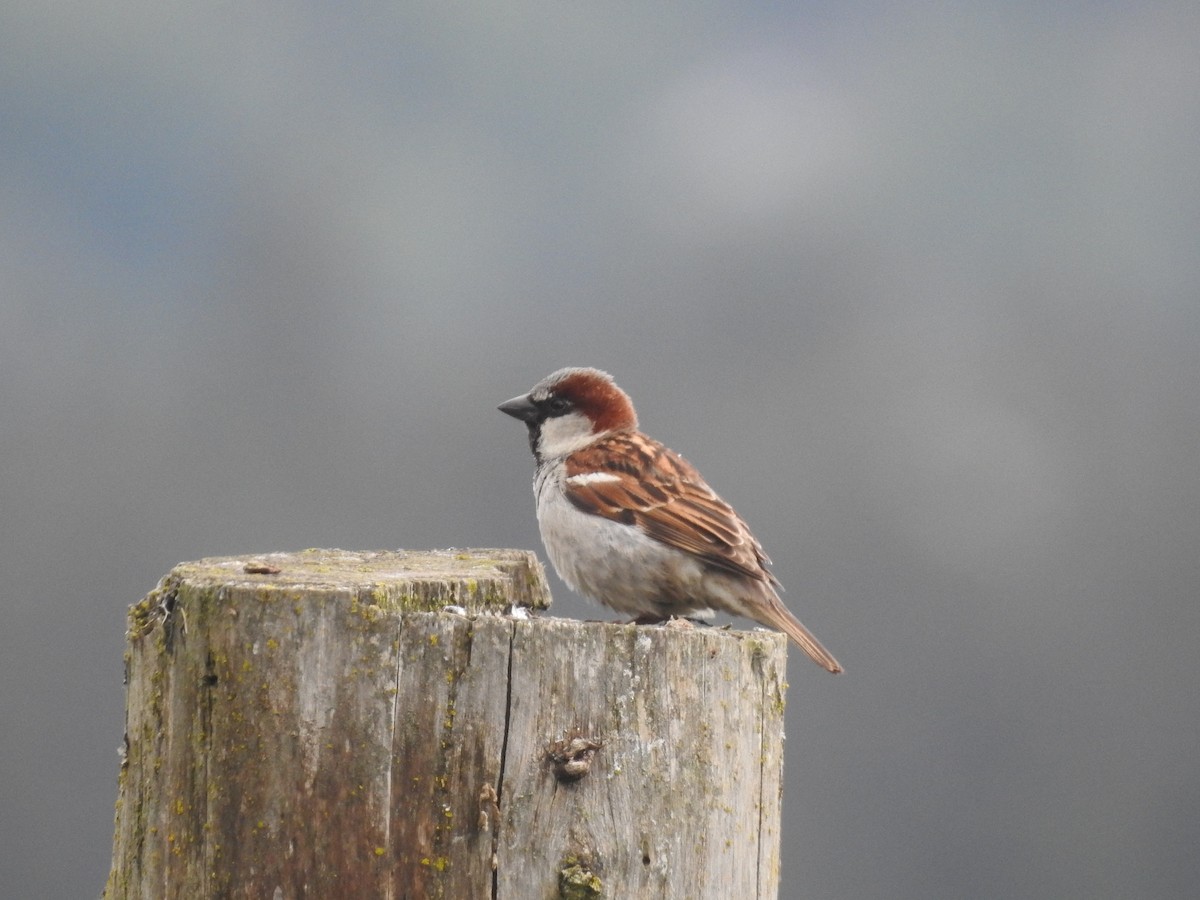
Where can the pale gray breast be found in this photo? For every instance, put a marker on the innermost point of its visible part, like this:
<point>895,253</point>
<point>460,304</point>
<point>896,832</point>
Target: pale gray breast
<point>610,562</point>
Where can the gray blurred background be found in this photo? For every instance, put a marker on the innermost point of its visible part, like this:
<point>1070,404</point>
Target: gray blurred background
<point>916,287</point>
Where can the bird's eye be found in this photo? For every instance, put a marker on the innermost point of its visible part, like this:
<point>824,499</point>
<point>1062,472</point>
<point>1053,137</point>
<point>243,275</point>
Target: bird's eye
<point>558,405</point>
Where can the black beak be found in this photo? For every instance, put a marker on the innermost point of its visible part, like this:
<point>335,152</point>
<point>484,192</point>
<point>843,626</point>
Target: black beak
<point>520,408</point>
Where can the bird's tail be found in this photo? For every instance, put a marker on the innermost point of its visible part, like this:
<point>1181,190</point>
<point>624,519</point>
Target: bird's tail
<point>774,613</point>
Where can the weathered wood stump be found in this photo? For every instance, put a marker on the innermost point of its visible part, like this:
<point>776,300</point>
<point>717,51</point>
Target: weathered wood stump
<point>316,725</point>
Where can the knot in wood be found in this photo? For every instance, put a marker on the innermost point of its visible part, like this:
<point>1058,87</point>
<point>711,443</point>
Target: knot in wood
<point>572,756</point>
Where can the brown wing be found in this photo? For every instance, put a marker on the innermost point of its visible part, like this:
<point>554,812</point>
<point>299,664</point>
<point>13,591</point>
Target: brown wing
<point>630,478</point>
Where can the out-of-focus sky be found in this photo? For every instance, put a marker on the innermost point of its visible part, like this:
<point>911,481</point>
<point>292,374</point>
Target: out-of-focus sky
<point>916,287</point>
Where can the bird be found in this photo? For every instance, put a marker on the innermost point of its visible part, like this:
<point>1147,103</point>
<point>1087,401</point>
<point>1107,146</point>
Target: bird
<point>632,524</point>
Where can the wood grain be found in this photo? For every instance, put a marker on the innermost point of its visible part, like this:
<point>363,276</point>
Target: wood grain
<point>316,725</point>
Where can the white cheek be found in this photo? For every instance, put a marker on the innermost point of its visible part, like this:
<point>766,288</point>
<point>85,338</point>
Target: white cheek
<point>565,434</point>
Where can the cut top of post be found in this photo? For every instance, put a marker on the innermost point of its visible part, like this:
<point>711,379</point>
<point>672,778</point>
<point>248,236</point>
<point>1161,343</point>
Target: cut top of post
<point>477,581</point>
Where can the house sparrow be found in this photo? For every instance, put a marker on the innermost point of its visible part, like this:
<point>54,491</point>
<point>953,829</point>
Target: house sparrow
<point>632,524</point>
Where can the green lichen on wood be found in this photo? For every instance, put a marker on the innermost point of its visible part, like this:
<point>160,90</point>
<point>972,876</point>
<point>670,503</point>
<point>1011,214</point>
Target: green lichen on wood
<point>576,881</point>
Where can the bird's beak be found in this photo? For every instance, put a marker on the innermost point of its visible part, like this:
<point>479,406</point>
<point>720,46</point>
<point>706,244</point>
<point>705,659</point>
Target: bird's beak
<point>519,408</point>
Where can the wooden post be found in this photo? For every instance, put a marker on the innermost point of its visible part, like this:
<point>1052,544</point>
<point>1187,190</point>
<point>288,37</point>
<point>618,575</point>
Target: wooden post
<point>326,724</point>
